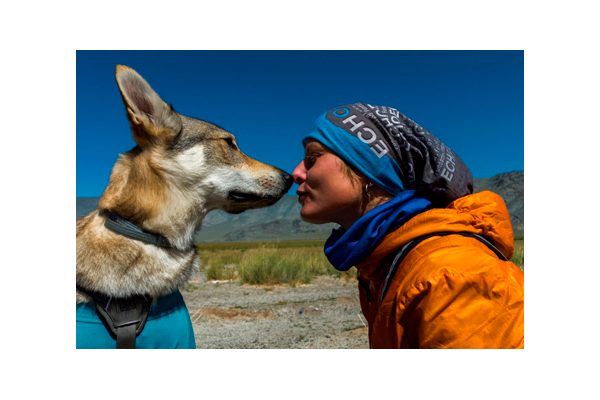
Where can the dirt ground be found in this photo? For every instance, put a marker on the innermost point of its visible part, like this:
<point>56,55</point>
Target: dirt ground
<point>322,315</point>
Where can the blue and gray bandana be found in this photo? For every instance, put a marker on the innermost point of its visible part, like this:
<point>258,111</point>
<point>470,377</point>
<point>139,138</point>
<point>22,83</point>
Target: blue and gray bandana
<point>397,155</point>
<point>394,152</point>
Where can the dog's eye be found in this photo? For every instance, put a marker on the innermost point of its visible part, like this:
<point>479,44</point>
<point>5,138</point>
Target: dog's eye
<point>230,143</point>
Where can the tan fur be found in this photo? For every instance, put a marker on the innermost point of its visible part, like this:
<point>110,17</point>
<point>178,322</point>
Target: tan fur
<point>136,190</point>
<point>181,169</point>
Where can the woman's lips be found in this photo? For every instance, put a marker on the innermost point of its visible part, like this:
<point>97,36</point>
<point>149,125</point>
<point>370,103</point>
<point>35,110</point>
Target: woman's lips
<point>301,196</point>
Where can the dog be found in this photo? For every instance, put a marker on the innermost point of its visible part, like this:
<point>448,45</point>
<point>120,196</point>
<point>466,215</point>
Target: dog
<point>180,169</point>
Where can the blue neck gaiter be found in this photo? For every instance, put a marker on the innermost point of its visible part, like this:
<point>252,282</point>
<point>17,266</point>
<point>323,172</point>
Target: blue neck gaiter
<point>345,249</point>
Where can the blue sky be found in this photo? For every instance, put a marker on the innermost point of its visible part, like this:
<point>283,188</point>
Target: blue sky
<point>472,100</point>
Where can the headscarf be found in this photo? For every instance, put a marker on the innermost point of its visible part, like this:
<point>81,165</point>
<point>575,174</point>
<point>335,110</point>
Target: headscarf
<point>394,152</point>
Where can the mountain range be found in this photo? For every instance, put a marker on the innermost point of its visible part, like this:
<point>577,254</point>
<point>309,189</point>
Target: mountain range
<point>282,220</point>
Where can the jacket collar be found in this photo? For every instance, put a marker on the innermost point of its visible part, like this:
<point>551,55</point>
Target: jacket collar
<point>483,213</point>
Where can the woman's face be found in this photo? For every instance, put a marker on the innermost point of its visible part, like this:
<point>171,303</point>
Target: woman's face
<point>326,192</point>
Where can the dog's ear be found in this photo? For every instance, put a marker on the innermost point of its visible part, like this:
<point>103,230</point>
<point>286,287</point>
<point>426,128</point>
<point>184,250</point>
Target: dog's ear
<point>152,121</point>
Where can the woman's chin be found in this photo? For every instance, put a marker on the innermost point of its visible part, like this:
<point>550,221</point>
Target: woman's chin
<point>310,217</point>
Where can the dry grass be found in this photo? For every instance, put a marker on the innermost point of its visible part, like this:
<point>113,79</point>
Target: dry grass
<point>290,263</point>
<point>519,256</point>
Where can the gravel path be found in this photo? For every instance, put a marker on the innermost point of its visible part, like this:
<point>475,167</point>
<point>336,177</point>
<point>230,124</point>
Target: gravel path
<point>322,315</point>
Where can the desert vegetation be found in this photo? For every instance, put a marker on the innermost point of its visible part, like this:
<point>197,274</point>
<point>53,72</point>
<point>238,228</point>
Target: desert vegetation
<point>267,263</point>
<point>519,256</point>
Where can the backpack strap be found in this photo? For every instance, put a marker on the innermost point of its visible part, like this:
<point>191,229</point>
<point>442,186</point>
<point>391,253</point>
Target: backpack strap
<point>404,250</point>
<point>124,318</point>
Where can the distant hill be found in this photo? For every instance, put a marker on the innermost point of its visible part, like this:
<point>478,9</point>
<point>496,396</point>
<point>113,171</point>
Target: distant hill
<point>511,187</point>
<point>86,205</point>
<point>278,222</point>
<point>282,221</point>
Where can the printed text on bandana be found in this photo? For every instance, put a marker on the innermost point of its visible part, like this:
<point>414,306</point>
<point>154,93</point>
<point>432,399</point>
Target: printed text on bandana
<point>359,128</point>
<point>421,157</point>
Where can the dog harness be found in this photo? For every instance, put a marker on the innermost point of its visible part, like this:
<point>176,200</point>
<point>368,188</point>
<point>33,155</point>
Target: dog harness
<point>125,318</point>
<point>167,326</point>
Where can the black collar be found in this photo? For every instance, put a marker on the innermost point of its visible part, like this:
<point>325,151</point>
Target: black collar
<point>119,225</point>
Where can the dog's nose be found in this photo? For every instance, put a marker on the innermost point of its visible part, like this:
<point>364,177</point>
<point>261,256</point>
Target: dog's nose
<point>288,178</point>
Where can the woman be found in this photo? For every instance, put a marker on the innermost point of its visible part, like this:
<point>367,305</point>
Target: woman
<point>387,182</point>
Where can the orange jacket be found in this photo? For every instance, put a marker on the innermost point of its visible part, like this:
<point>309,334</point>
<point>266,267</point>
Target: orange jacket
<point>449,291</point>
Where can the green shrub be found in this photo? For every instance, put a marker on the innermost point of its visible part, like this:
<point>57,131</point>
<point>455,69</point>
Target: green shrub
<point>266,263</point>
<point>519,257</point>
<point>220,265</point>
<point>270,265</point>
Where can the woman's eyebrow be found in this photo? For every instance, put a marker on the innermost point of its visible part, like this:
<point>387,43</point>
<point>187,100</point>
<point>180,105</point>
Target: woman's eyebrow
<point>312,147</point>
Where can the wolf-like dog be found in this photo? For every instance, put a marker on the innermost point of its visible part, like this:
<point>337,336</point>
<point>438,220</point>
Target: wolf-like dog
<point>180,169</point>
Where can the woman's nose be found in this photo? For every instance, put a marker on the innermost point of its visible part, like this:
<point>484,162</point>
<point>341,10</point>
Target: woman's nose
<point>299,173</point>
